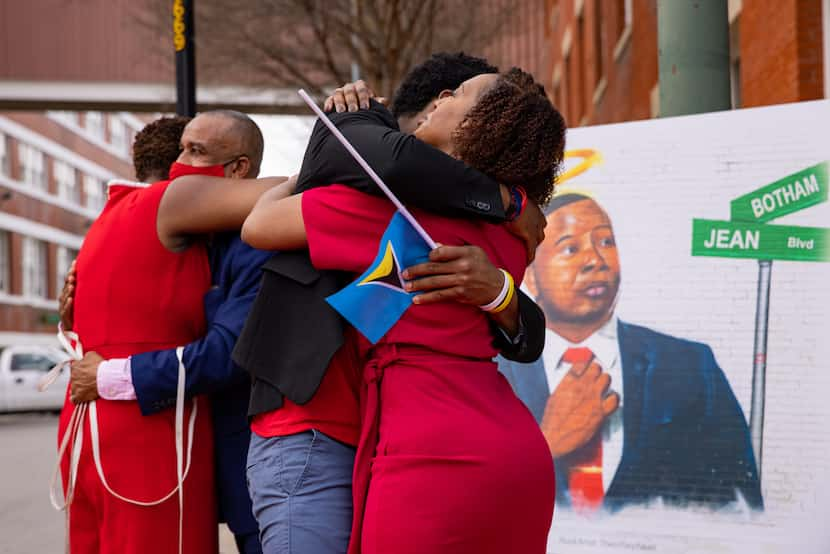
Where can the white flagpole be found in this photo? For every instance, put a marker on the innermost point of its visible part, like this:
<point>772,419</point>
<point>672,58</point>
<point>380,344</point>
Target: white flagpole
<point>336,132</point>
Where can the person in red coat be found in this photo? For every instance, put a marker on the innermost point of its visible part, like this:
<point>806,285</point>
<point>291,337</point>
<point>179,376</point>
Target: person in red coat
<point>134,295</point>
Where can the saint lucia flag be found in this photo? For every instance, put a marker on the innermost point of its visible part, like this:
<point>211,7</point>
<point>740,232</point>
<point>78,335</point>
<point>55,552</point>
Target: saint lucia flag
<point>377,300</point>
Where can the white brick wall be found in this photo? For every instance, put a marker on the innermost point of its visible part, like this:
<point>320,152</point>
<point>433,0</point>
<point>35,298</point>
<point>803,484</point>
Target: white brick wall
<point>656,177</point>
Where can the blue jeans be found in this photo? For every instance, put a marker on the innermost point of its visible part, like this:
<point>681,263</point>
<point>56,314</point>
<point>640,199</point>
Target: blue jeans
<point>301,490</point>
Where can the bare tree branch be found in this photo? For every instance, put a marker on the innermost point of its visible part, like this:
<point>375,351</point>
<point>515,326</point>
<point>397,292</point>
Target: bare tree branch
<point>312,43</point>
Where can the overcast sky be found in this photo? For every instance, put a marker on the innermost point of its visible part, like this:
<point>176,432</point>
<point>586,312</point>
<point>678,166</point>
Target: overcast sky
<point>286,137</point>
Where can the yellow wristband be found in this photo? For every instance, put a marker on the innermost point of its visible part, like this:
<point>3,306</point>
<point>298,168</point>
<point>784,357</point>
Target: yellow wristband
<point>506,302</point>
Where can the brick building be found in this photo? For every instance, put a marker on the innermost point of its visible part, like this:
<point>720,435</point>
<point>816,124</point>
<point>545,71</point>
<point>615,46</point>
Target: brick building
<point>53,172</point>
<point>601,61</point>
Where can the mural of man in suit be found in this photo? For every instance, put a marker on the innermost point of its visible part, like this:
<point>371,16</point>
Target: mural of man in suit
<point>631,415</point>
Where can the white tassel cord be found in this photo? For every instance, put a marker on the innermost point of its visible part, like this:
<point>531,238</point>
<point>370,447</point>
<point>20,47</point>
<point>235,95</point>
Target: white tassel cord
<point>75,432</point>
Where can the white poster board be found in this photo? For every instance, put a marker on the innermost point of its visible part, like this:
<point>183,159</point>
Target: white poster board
<point>653,179</point>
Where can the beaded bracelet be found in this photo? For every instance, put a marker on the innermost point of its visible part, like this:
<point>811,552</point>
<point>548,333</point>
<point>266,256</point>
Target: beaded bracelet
<point>502,300</point>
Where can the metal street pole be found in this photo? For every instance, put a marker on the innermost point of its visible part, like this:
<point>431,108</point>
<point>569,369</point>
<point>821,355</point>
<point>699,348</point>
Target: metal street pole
<point>693,65</point>
<point>183,33</point>
<point>693,62</point>
<point>759,362</point>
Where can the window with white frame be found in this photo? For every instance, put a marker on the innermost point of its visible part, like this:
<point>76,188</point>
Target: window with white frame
<point>5,165</point>
<point>64,260</point>
<point>33,166</point>
<point>67,180</point>
<point>118,134</point>
<point>66,117</point>
<point>94,192</point>
<point>5,262</point>
<point>35,267</point>
<point>735,62</point>
<point>94,124</point>
<point>624,18</point>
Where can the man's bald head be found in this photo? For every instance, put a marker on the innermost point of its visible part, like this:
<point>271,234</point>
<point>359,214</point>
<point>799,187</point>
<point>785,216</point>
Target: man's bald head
<point>251,136</point>
<point>225,137</point>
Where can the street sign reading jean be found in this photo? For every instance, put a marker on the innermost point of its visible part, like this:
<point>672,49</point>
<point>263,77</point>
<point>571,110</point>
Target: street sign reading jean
<point>748,235</point>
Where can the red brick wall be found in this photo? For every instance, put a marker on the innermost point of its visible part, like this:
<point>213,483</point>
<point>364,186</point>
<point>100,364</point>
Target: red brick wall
<point>780,49</point>
<point>810,50</point>
<point>769,50</point>
<point>25,319</point>
<point>521,40</point>
<point>629,76</point>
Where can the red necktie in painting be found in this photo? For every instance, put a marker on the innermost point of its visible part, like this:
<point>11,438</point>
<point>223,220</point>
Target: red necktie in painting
<point>585,467</point>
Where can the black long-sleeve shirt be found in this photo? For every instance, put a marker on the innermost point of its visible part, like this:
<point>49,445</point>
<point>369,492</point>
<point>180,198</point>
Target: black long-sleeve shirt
<point>416,172</point>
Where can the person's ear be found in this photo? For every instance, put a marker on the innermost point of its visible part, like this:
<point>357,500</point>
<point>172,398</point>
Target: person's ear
<point>241,167</point>
<point>530,282</point>
<point>444,94</point>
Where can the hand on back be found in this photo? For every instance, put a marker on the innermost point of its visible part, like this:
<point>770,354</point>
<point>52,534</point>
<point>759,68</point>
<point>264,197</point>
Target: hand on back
<point>66,307</point>
<point>351,97</point>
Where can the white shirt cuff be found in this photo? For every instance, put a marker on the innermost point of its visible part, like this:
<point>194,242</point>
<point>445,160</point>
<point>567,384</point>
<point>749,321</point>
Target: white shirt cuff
<point>115,380</point>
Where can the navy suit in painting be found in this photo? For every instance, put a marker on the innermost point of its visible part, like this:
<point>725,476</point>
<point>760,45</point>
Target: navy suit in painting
<point>235,271</point>
<point>685,439</point>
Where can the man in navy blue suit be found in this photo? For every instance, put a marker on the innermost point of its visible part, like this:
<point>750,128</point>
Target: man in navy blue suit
<point>631,415</point>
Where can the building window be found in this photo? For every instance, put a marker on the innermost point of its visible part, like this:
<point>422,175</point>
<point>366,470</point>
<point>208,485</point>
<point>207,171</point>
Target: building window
<point>5,162</point>
<point>567,97</point>
<point>582,56</point>
<point>599,51</point>
<point>65,117</point>
<point>118,134</point>
<point>622,23</point>
<point>735,62</point>
<point>94,192</point>
<point>35,265</point>
<point>5,262</point>
<point>64,260</point>
<point>32,166</point>
<point>94,124</point>
<point>67,181</point>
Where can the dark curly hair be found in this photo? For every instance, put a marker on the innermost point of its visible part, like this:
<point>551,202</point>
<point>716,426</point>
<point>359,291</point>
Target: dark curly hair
<point>442,71</point>
<point>156,147</point>
<point>515,135</point>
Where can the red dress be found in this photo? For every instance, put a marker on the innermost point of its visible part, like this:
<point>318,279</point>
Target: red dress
<point>135,296</point>
<point>449,460</point>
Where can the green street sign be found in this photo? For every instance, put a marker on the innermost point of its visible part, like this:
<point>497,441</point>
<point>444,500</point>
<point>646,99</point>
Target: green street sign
<point>735,239</point>
<point>794,192</point>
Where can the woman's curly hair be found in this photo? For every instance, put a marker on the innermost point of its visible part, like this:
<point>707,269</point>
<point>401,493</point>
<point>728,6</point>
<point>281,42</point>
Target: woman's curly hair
<point>515,135</point>
<point>157,146</point>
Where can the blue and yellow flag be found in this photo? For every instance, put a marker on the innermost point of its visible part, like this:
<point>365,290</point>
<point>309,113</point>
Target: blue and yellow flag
<point>377,300</point>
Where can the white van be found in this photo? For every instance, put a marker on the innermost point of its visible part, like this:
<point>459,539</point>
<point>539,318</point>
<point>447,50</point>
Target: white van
<point>24,360</point>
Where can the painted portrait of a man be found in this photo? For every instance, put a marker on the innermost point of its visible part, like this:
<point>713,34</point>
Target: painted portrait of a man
<point>631,415</point>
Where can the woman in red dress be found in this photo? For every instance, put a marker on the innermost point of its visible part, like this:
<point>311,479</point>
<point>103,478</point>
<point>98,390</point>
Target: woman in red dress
<point>449,459</point>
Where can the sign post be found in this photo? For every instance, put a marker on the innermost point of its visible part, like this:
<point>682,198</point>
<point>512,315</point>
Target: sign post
<point>183,33</point>
<point>747,235</point>
<point>759,361</point>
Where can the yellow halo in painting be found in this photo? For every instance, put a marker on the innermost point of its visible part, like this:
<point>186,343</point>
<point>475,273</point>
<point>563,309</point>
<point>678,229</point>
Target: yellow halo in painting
<point>562,191</point>
<point>590,158</point>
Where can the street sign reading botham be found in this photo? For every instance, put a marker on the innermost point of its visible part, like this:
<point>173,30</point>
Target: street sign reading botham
<point>785,196</point>
<point>735,239</point>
